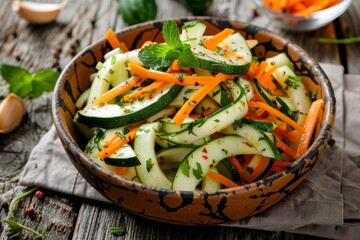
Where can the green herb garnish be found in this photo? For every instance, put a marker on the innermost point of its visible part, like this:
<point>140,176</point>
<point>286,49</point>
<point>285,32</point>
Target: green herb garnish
<point>14,227</point>
<point>159,56</point>
<point>23,83</point>
<point>340,41</point>
<point>119,231</point>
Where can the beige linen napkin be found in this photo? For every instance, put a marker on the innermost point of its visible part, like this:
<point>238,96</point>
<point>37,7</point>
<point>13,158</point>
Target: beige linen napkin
<point>326,204</point>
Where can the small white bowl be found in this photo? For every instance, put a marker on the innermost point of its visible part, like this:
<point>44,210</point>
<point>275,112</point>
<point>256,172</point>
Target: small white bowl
<point>299,23</point>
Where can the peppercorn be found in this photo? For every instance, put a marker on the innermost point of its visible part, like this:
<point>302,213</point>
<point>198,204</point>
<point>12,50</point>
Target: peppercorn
<point>39,194</point>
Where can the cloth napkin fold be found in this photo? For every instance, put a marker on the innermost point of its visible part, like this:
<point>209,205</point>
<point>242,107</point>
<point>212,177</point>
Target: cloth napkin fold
<point>326,204</point>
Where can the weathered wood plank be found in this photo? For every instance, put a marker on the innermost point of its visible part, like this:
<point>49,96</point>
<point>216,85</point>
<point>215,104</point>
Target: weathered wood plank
<point>56,213</point>
<point>349,23</point>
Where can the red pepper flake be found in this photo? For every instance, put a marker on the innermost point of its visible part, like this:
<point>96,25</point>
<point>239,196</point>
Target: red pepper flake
<point>204,150</point>
<point>196,84</point>
<point>205,157</point>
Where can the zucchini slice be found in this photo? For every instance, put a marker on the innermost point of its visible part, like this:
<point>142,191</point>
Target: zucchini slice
<point>113,116</point>
<point>236,60</point>
<point>198,162</point>
<point>256,138</point>
<point>218,120</point>
<point>149,172</point>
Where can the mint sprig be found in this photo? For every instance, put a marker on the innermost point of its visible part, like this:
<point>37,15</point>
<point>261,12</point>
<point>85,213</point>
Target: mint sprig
<point>159,56</point>
<point>23,83</point>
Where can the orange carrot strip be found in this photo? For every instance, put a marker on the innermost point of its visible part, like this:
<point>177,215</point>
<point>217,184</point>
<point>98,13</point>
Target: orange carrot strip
<point>213,41</point>
<point>260,70</point>
<point>221,179</point>
<point>175,66</point>
<point>266,79</point>
<point>253,67</point>
<point>278,114</point>
<point>258,170</point>
<point>236,164</point>
<point>121,170</point>
<point>310,123</point>
<point>281,164</point>
<point>119,89</point>
<point>109,140</point>
<point>280,144</point>
<point>190,104</point>
<point>117,144</point>
<point>152,88</point>
<point>168,77</point>
<point>114,41</point>
<point>293,137</point>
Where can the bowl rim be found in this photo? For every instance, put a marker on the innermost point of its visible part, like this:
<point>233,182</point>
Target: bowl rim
<point>318,143</point>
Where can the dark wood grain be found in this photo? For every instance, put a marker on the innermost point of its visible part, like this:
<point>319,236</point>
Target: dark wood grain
<point>81,23</point>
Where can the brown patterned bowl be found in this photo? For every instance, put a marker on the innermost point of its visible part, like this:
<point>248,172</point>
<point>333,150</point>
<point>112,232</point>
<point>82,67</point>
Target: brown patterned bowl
<point>188,207</point>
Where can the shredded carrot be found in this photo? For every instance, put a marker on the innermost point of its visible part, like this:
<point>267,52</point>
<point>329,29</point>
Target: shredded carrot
<point>278,114</point>
<point>258,170</point>
<point>117,144</point>
<point>233,160</point>
<point>212,42</point>
<point>283,146</point>
<point>310,123</point>
<point>109,140</point>
<point>266,79</point>
<point>252,69</point>
<point>175,66</point>
<point>145,91</point>
<point>190,104</point>
<point>121,170</point>
<point>221,179</point>
<point>260,70</point>
<point>118,90</point>
<point>114,41</point>
<point>170,78</point>
<point>299,7</point>
<point>291,136</point>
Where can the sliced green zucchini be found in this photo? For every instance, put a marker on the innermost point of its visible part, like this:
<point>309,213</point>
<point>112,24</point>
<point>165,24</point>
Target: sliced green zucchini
<point>124,157</point>
<point>198,162</point>
<point>295,89</point>
<point>214,122</point>
<point>113,115</point>
<point>256,138</point>
<point>185,93</point>
<point>279,60</point>
<point>284,107</point>
<point>238,59</point>
<point>245,84</point>
<point>149,172</point>
<point>192,31</point>
<point>264,94</point>
<point>82,99</point>
<point>228,170</point>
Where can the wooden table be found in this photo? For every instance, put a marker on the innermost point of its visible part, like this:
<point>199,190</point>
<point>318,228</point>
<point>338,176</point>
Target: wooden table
<point>81,23</point>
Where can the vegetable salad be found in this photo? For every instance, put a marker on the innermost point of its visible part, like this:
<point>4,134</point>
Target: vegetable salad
<point>196,112</point>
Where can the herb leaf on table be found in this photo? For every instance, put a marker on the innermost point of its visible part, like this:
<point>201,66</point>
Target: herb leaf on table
<point>23,83</point>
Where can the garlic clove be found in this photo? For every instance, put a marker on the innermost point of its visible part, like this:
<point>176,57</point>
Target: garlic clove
<point>12,111</point>
<point>38,13</point>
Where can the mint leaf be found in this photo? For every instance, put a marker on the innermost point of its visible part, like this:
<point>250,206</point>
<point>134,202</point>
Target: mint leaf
<point>23,83</point>
<point>187,58</point>
<point>171,33</point>
<point>153,56</point>
<point>159,56</point>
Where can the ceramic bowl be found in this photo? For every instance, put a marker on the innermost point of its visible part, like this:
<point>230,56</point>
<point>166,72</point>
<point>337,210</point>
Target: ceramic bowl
<point>189,207</point>
<point>299,23</point>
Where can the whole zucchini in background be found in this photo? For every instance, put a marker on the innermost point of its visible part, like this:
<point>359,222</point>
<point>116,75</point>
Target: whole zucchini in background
<point>197,7</point>
<point>137,11</point>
